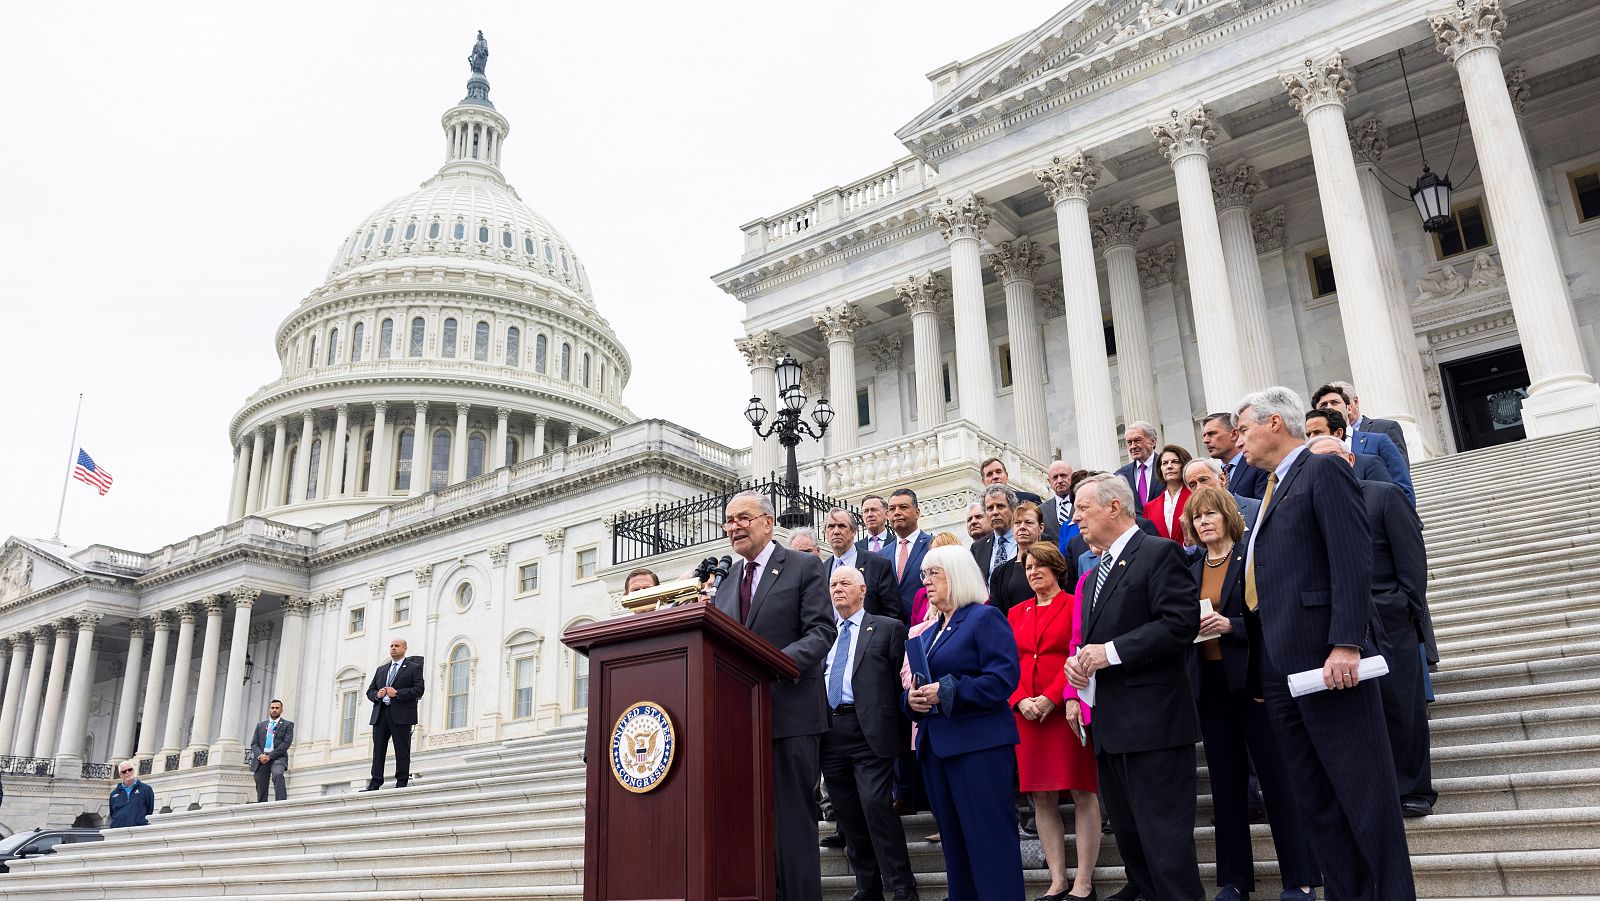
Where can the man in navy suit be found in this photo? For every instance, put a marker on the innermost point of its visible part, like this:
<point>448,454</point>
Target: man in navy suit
<point>883,596</point>
<point>782,596</point>
<point>1308,572</point>
<point>1220,436</point>
<point>1143,470</point>
<point>1342,396</point>
<point>1055,514</point>
<point>396,688</point>
<point>1369,448</point>
<point>994,472</point>
<point>907,545</point>
<point>875,516</point>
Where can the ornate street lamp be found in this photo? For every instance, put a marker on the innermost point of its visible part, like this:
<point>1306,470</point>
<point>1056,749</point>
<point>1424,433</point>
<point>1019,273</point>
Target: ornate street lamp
<point>1431,193</point>
<point>789,427</point>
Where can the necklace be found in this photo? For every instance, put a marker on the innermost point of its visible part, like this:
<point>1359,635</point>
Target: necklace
<point>1219,561</point>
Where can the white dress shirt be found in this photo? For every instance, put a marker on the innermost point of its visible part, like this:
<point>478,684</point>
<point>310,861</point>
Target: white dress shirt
<point>1115,551</point>
<point>848,558</point>
<point>760,563</point>
<point>848,694</point>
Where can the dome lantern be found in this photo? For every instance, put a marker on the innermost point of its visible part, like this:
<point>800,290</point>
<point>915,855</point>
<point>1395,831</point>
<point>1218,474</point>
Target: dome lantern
<point>474,131</point>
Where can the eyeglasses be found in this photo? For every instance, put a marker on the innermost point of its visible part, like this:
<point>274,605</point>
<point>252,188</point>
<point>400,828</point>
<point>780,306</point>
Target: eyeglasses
<point>932,571</point>
<point>127,772</point>
<point>741,520</point>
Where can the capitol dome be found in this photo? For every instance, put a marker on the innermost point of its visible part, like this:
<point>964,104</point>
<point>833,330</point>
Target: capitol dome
<point>455,333</point>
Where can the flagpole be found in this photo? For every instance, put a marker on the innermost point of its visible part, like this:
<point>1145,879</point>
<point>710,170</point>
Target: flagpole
<point>72,457</point>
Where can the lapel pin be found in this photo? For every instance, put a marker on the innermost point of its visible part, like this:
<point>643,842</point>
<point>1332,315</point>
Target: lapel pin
<point>1122,563</point>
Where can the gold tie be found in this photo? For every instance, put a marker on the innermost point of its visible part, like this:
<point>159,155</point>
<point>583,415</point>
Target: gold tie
<point>1250,599</point>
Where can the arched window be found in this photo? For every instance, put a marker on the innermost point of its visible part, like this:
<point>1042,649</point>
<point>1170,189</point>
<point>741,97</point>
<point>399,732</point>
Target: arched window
<point>385,338</point>
<point>433,230</point>
<point>439,472</point>
<point>358,336</point>
<point>368,243</point>
<point>563,261</point>
<point>459,680</point>
<point>460,231</point>
<point>419,328</point>
<point>585,369</point>
<point>402,461</point>
<point>480,342</point>
<point>511,450</point>
<point>476,444</point>
<point>411,230</point>
<point>549,253</point>
<point>506,239</point>
<point>513,346</point>
<point>355,241</point>
<point>527,246</point>
<point>447,344</point>
<point>366,464</point>
<point>541,346</point>
<point>566,361</point>
<point>333,347</point>
<point>483,234</point>
<point>314,464</point>
<point>288,496</point>
<point>388,233</point>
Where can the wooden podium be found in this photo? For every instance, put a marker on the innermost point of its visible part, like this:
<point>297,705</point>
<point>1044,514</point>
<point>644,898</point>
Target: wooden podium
<point>704,831</point>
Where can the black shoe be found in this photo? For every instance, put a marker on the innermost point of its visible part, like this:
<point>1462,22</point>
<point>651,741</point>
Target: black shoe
<point>835,840</point>
<point>372,787</point>
<point>1416,807</point>
<point>1030,829</point>
<point>904,808</point>
<point>1126,893</point>
<point>1069,896</point>
<point>1294,894</point>
<point>1230,893</point>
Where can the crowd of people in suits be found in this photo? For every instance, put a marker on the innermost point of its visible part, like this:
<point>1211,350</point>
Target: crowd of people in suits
<point>1073,650</point>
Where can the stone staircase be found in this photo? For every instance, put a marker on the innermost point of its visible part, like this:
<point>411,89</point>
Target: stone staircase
<point>1514,551</point>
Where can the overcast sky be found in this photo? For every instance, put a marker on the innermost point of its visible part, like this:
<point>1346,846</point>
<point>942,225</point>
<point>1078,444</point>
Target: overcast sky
<point>178,177</point>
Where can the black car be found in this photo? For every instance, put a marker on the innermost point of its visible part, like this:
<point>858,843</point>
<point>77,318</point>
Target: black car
<point>41,841</point>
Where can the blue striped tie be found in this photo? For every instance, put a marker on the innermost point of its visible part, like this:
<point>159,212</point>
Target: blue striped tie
<point>841,659</point>
<point>1101,571</point>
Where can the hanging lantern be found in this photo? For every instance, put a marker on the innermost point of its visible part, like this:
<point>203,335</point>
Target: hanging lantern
<point>1432,197</point>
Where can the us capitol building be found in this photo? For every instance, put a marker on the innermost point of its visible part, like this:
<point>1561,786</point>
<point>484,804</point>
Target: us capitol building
<point>1130,211</point>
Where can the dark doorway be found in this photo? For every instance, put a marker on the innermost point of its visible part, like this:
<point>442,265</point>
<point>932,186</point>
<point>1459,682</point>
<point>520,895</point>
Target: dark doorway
<point>1485,395</point>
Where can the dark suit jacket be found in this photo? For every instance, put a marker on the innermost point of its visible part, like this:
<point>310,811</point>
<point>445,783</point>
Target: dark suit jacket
<point>1236,644</point>
<point>1009,586</point>
<point>883,596</point>
<point>1149,606</point>
<point>1049,521</point>
<point>1399,558</point>
<point>1370,469</point>
<point>1386,427</point>
<point>1078,547</point>
<point>282,738</point>
<point>875,684</point>
<point>408,686</point>
<point>863,548</point>
<point>790,610</point>
<point>1313,567</point>
<point>1155,486</point>
<point>1247,480</point>
<point>975,664</point>
<point>1026,497</point>
<point>1394,459</point>
<point>911,580</point>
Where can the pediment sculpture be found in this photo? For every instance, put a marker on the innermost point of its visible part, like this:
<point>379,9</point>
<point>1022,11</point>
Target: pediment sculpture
<point>1486,273</point>
<point>1441,283</point>
<point>16,578</point>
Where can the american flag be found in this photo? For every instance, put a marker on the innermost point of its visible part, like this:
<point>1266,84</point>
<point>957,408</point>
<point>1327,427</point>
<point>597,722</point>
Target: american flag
<point>87,472</point>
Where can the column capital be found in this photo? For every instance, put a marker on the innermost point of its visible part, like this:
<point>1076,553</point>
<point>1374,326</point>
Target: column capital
<point>839,322</point>
<point>6,643</point>
<point>376,586</point>
<point>27,636</point>
<point>543,418</point>
<point>1117,227</point>
<point>1050,300</point>
<point>343,410</point>
<point>1236,186</point>
<point>280,422</point>
<point>1017,261</point>
<point>958,219</point>
<point>244,597</point>
<point>185,612</point>
<point>1318,84</point>
<point>1069,177</point>
<point>502,413</point>
<point>1473,25</point>
<point>1185,134</point>
<point>215,605</point>
<point>1368,140</point>
<point>68,623</point>
<point>137,627</point>
<point>423,574</point>
<point>296,605</point>
<point>1517,87</point>
<point>1156,266</point>
<point>885,353</point>
<point>1267,229</point>
<point>380,407</point>
<point>261,431</point>
<point>463,409</point>
<point>421,407</point>
<point>308,417</point>
<point>761,350</point>
<point>924,293</point>
<point>814,377</point>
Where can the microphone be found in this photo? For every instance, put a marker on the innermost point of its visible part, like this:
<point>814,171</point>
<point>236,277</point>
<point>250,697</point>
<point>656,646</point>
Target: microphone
<point>719,571</point>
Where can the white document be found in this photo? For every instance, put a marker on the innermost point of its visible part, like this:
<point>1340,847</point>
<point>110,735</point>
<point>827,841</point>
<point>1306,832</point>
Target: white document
<point>1310,681</point>
<point>1086,695</point>
<point>1205,610</point>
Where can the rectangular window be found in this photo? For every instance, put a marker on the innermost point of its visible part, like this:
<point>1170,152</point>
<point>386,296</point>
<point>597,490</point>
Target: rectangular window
<point>419,330</point>
<point>348,706</point>
<point>1586,193</point>
<point>586,560</point>
<point>944,370</point>
<point>863,408</point>
<point>1319,268</point>
<point>1005,365</point>
<point>1111,339</point>
<point>528,578</point>
<point>402,610</point>
<point>1468,230</point>
<point>580,681</point>
<point>525,670</point>
<point>357,623</point>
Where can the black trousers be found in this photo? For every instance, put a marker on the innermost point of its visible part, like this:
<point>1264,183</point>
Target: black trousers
<point>1151,798</point>
<point>273,771</point>
<point>384,731</point>
<point>861,785</point>
<point>1237,730</point>
<point>1405,700</point>
<point>795,770</point>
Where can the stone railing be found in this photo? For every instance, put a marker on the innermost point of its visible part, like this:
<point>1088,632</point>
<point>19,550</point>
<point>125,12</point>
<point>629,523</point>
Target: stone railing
<point>28,766</point>
<point>919,460</point>
<point>906,176</point>
<point>102,771</point>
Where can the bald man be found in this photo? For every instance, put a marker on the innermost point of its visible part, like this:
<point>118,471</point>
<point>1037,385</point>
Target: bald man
<point>395,690</point>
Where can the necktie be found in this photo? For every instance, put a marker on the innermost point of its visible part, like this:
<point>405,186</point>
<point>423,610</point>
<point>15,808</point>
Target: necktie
<point>1063,511</point>
<point>841,658</point>
<point>1250,599</point>
<point>746,583</point>
<point>875,543</point>
<point>270,727</point>
<point>394,668</point>
<point>1100,573</point>
<point>900,558</point>
<point>1144,486</point>
<point>1228,471</point>
<point>1001,554</point>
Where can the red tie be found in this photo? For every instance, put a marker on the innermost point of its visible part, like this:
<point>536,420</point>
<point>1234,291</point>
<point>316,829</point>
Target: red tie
<point>1144,487</point>
<point>900,558</point>
<point>745,585</point>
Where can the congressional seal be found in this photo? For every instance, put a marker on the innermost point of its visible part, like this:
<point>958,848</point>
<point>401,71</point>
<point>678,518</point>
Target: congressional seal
<point>643,747</point>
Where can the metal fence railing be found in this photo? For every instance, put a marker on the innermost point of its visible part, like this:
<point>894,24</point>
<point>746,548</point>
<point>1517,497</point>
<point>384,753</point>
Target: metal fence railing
<point>698,520</point>
<point>28,766</point>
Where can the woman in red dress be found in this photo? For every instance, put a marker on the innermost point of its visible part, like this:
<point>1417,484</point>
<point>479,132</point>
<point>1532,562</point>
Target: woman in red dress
<point>1051,757</point>
<point>1166,510</point>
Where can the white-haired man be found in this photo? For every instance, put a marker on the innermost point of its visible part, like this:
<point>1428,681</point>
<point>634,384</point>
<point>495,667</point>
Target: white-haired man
<point>1141,472</point>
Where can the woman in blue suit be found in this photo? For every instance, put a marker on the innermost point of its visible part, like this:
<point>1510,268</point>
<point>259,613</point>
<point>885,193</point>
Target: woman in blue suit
<point>967,733</point>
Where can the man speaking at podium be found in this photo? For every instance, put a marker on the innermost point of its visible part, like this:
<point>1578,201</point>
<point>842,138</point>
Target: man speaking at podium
<point>782,596</point>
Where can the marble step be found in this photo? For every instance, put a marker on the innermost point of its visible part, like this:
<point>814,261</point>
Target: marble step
<point>1560,721</point>
<point>1467,673</point>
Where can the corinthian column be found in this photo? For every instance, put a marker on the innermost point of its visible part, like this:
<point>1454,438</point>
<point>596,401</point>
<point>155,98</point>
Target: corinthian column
<point>14,679</point>
<point>178,702</point>
<point>1563,396</point>
<point>1015,263</point>
<point>205,690</point>
<point>1235,189</point>
<point>128,701</point>
<point>1317,93</point>
<point>502,430</point>
<point>280,449</point>
<point>241,472</point>
<point>28,718</point>
<point>1117,231</point>
<point>924,296</point>
<point>458,451</point>
<point>335,486</point>
<point>761,351</point>
<point>962,224</point>
<point>302,460</point>
<point>838,325</point>
<point>1068,182</point>
<point>69,750</point>
<point>161,623</point>
<point>50,710</point>
<point>378,467</point>
<point>1368,143</point>
<point>289,651</point>
<point>228,745</point>
<point>1186,140</point>
<point>252,494</point>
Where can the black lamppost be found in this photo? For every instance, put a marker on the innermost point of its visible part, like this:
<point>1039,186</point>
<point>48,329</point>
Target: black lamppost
<point>789,426</point>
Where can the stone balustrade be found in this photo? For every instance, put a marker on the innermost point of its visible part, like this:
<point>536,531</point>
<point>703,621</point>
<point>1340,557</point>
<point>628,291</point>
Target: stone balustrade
<point>905,177</point>
<point>920,460</point>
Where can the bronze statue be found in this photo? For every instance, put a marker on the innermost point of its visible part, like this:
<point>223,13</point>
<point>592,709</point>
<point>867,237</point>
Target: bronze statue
<point>480,55</point>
